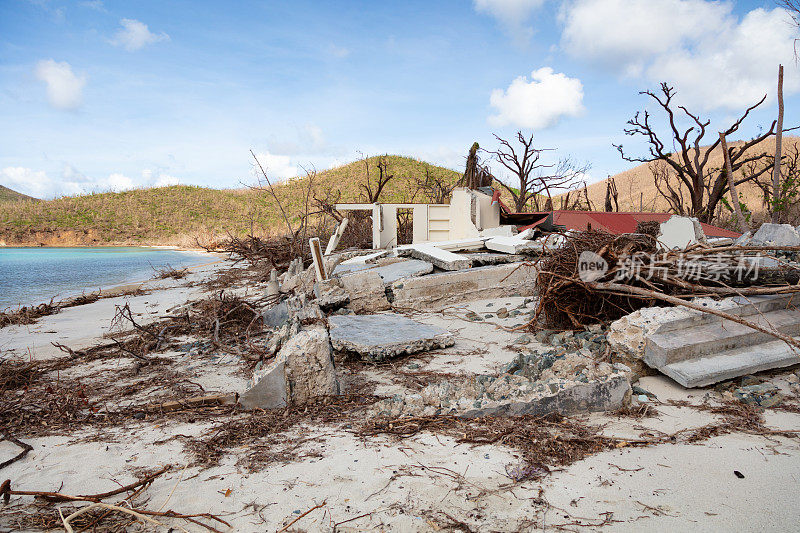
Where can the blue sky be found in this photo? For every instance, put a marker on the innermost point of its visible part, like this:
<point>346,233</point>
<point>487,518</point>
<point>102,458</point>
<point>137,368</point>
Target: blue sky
<point>99,95</point>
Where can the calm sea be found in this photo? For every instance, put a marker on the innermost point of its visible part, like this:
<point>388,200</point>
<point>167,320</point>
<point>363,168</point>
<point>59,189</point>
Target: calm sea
<point>34,275</point>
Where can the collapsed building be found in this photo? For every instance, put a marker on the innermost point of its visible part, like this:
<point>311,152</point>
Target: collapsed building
<point>360,303</point>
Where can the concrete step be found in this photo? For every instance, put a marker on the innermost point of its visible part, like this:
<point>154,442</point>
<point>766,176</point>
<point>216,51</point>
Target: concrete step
<point>739,306</point>
<point>710,339</point>
<point>732,363</point>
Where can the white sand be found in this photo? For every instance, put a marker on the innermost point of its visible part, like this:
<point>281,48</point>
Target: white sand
<point>412,485</point>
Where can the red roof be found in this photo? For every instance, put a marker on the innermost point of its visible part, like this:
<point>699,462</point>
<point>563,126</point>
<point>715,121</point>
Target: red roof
<point>618,223</point>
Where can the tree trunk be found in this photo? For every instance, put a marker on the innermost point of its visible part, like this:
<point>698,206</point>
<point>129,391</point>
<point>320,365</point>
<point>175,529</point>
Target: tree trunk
<point>776,172</point>
<point>737,208</point>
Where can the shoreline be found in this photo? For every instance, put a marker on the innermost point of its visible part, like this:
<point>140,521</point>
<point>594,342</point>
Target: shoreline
<point>114,289</point>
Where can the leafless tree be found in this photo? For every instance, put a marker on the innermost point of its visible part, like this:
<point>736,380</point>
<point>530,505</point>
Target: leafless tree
<point>475,175</point>
<point>371,190</point>
<point>437,189</point>
<point>296,236</point>
<point>705,186</point>
<point>787,206</point>
<point>612,196</point>
<point>534,180</point>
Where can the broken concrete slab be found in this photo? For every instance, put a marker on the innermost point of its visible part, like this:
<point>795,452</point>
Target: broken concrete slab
<point>403,269</point>
<point>440,258</point>
<point>367,291</point>
<point>513,245</point>
<point>302,370</point>
<point>493,258</point>
<point>698,349</point>
<point>435,291</point>
<point>296,307</point>
<point>679,232</point>
<point>276,316</point>
<point>512,395</point>
<point>385,336</point>
<point>776,235</point>
<point>331,295</point>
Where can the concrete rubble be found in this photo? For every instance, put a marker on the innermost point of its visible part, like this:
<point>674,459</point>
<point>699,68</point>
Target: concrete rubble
<point>385,336</point>
<point>776,235</point>
<point>361,307</point>
<point>302,370</point>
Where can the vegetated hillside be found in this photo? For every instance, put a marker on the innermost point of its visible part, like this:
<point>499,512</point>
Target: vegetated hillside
<point>9,195</point>
<point>178,214</point>
<point>637,190</point>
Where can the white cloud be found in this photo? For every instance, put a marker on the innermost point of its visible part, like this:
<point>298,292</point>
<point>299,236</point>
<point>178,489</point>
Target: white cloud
<point>71,181</point>
<point>64,88</point>
<point>538,103</point>
<point>714,59</point>
<point>115,182</point>
<point>25,180</point>
<point>135,35</point>
<point>339,52</point>
<point>513,15</point>
<point>277,167</point>
<point>97,5</point>
<point>165,180</point>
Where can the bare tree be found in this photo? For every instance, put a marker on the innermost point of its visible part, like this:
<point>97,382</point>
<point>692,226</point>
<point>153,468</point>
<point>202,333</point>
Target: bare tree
<point>664,186</point>
<point>371,191</point>
<point>737,205</point>
<point>475,175</point>
<point>788,201</point>
<point>436,189</point>
<point>612,196</point>
<point>776,171</point>
<point>705,185</point>
<point>533,179</point>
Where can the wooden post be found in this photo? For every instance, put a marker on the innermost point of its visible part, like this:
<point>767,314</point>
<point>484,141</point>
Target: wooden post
<point>316,255</point>
<point>776,171</point>
<point>737,208</point>
<point>333,242</point>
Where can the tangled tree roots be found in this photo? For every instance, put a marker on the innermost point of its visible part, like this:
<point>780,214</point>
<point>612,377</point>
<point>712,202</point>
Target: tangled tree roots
<point>565,301</point>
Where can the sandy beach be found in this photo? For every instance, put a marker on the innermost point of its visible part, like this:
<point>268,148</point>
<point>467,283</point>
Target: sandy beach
<point>353,481</point>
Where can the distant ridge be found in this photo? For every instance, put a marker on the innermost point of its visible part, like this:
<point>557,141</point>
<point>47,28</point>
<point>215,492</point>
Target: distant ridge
<point>175,215</point>
<point>10,195</point>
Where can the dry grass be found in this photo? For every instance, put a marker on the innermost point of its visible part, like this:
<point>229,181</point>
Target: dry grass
<point>179,214</point>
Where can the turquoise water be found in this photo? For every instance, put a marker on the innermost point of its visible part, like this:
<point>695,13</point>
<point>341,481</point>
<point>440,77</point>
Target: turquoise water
<point>34,275</point>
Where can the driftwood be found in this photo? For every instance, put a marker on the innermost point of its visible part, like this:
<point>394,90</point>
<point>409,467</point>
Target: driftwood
<point>58,497</point>
<point>25,449</point>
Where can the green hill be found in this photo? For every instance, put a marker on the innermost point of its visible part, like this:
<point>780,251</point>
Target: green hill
<point>176,215</point>
<point>9,195</point>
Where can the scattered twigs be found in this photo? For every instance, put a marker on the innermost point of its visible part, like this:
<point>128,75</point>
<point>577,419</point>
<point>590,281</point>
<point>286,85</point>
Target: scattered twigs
<point>25,449</point>
<point>290,524</point>
<point>58,497</point>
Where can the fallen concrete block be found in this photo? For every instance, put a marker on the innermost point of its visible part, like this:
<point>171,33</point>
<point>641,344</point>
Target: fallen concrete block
<point>512,395</point>
<point>440,258</point>
<point>276,316</point>
<point>679,232</point>
<point>302,370</point>
<point>367,291</point>
<point>513,245</point>
<point>776,235</point>
<point>435,291</point>
<point>331,295</point>
<point>385,336</point>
